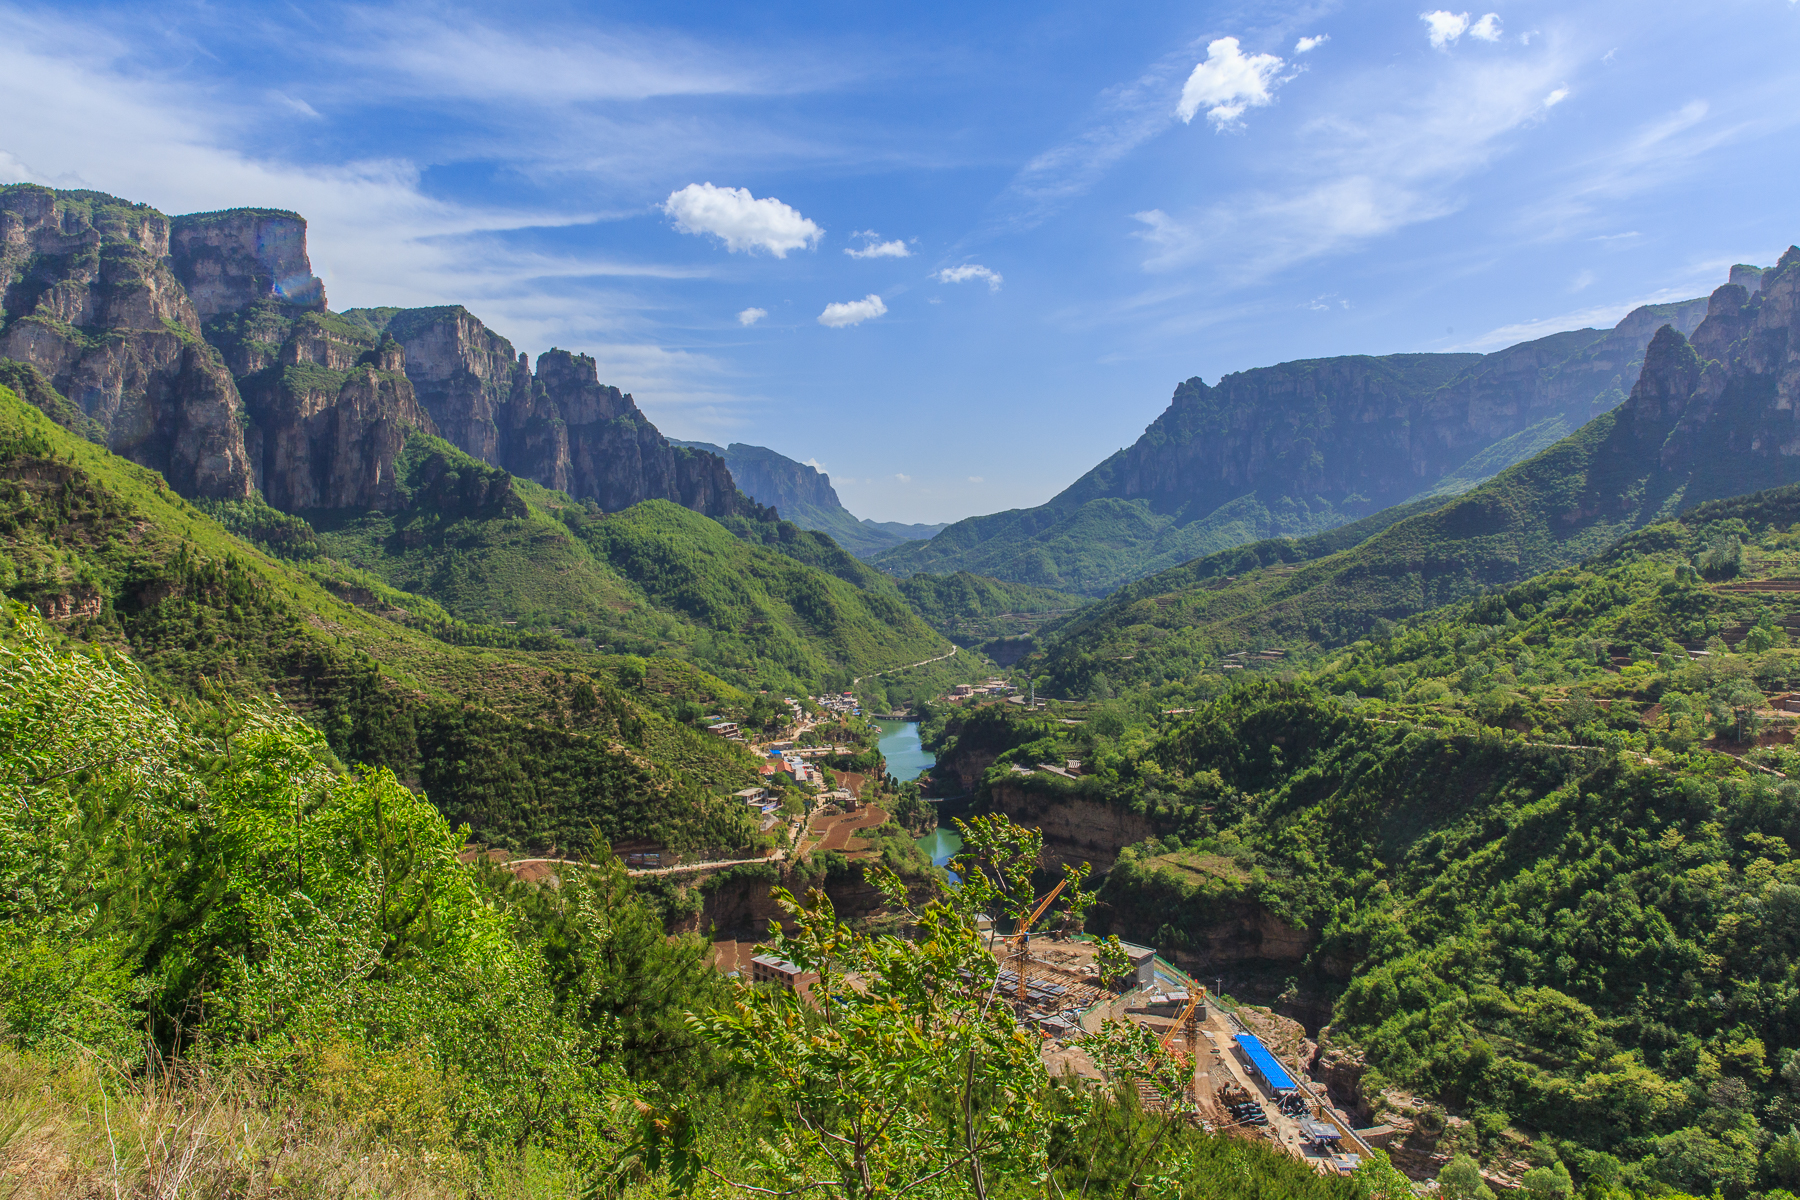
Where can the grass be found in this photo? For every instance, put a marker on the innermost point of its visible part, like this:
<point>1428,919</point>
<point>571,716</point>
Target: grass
<point>68,1129</point>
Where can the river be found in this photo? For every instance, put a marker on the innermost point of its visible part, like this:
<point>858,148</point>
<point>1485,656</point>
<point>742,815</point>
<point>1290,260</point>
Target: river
<point>907,758</point>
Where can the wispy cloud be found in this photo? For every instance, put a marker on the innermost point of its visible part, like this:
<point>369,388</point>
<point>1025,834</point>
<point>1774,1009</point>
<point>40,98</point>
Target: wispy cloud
<point>1121,119</point>
<point>1307,44</point>
<point>1385,152</point>
<point>740,220</point>
<point>967,272</point>
<point>852,312</point>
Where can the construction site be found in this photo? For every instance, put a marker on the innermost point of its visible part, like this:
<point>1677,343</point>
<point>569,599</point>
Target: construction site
<point>1237,1086</point>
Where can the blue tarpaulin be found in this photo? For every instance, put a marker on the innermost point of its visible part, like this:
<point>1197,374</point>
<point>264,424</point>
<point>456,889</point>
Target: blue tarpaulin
<point>1272,1071</point>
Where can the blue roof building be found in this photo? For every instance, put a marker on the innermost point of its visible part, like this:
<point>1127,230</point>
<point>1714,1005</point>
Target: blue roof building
<point>1265,1064</point>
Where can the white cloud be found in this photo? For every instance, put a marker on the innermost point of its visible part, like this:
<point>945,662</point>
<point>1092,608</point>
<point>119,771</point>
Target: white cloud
<point>1311,43</point>
<point>740,220</point>
<point>965,273</point>
<point>852,312</point>
<point>976,479</point>
<point>903,478</point>
<point>751,316</point>
<point>1384,151</point>
<point>1487,29</point>
<point>1582,280</point>
<point>816,465</point>
<point>1228,83</point>
<point>877,248</point>
<point>1557,97</point>
<point>1444,27</point>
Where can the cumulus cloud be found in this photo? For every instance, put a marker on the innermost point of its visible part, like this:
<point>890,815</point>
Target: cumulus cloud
<point>903,478</point>
<point>1444,27</point>
<point>1228,83</point>
<point>877,248</point>
<point>1557,97</point>
<point>852,312</point>
<point>971,271</point>
<point>1311,43</point>
<point>751,316</point>
<point>740,220</point>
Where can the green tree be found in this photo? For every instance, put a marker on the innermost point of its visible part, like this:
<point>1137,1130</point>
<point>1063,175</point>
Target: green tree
<point>1461,1180</point>
<point>910,1073</point>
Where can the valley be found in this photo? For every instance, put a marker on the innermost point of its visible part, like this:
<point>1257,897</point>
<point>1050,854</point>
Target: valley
<point>1438,709</point>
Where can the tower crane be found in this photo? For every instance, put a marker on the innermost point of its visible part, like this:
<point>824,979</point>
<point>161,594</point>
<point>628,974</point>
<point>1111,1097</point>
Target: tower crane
<point>1021,940</point>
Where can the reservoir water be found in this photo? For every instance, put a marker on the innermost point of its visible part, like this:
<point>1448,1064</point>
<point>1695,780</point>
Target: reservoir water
<point>906,757</point>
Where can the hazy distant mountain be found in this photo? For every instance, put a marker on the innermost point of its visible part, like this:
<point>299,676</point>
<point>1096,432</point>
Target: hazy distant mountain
<point>1297,449</point>
<point>804,495</point>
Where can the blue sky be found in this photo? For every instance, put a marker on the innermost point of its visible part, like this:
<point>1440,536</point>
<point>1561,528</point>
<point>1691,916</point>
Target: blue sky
<point>1075,206</point>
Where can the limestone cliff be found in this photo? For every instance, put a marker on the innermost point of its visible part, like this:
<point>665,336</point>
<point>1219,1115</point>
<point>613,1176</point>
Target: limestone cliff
<point>559,426</point>
<point>231,259</point>
<point>330,406</point>
<point>88,297</point>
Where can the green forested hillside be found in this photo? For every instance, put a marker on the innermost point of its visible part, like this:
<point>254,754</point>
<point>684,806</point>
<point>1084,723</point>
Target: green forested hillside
<point>969,609</point>
<point>531,740</point>
<point>268,977</point>
<point>1537,850</point>
<point>774,606</point>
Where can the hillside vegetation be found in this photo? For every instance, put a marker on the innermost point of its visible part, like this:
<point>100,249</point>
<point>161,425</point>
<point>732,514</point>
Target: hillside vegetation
<point>269,977</point>
<point>1536,849</point>
<point>774,606</point>
<point>533,742</point>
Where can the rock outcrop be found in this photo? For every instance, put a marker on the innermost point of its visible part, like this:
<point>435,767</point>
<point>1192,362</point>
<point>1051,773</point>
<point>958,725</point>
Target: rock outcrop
<point>88,297</point>
<point>231,259</point>
<point>329,403</point>
<point>558,426</point>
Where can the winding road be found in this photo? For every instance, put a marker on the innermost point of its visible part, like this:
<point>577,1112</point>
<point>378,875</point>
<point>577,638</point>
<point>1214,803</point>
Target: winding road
<point>909,666</point>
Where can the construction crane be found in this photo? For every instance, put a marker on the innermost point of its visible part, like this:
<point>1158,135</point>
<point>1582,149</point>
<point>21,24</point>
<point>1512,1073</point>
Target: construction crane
<point>1186,1019</point>
<point>1021,940</point>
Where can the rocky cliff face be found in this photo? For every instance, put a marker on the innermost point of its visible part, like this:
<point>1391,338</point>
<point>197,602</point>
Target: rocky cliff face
<point>464,373</point>
<point>559,426</point>
<point>1380,430</point>
<point>230,260</point>
<point>779,481</point>
<point>88,297</point>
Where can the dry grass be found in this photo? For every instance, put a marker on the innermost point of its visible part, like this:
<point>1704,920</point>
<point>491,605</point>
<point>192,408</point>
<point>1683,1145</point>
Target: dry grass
<point>1196,867</point>
<point>68,1131</point>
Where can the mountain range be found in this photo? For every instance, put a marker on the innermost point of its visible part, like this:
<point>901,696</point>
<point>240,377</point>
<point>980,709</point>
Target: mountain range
<point>1709,417</point>
<point>1301,448</point>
